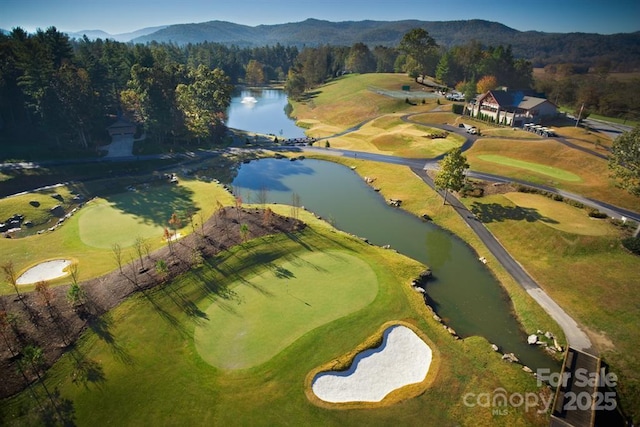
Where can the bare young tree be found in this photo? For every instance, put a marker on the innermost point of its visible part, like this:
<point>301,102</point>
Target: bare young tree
<point>10,276</point>
<point>295,205</point>
<point>244,232</point>
<point>263,196</point>
<point>139,245</point>
<point>75,295</point>
<point>168,238</point>
<point>117,255</point>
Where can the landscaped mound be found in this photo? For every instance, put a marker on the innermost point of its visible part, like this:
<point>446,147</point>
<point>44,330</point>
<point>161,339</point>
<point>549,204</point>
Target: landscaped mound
<point>403,358</point>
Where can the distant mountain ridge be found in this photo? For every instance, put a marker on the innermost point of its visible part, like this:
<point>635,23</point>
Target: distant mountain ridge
<point>123,37</point>
<point>583,49</point>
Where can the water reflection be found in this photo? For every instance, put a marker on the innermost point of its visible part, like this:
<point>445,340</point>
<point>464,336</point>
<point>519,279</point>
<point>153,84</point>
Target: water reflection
<point>463,291</point>
<point>263,111</point>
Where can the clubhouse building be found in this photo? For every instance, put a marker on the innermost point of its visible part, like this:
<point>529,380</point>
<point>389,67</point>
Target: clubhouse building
<point>512,108</point>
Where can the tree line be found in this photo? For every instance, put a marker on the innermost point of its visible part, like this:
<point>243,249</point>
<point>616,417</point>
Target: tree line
<point>418,55</point>
<point>70,90</point>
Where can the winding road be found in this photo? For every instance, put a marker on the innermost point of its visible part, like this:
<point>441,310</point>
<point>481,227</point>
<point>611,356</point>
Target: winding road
<point>576,337</point>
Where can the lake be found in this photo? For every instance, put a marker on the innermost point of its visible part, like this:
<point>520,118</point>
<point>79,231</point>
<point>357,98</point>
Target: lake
<point>262,111</point>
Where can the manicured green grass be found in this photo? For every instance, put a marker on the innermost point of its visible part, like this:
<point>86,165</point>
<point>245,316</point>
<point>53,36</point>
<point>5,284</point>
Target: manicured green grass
<point>102,225</point>
<point>550,171</point>
<point>282,304</point>
<point>144,367</point>
<point>128,216</point>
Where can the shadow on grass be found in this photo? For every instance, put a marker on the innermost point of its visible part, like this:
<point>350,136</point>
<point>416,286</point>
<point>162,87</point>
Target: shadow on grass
<point>494,212</point>
<point>155,203</point>
<point>101,327</point>
<point>85,370</point>
<point>57,410</point>
<point>184,303</point>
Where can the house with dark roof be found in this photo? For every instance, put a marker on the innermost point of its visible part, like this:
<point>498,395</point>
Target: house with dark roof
<point>122,127</point>
<point>512,108</point>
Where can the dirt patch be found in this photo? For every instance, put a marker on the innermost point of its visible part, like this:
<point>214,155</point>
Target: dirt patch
<point>55,327</point>
<point>600,341</point>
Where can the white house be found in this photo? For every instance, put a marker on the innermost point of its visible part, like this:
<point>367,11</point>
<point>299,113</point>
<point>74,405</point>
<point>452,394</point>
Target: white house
<point>512,108</point>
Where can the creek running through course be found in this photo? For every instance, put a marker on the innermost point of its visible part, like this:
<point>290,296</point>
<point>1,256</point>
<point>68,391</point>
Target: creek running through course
<point>462,291</point>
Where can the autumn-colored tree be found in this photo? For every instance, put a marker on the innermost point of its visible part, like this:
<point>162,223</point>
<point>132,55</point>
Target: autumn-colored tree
<point>175,222</point>
<point>238,205</point>
<point>44,292</point>
<point>486,83</point>
<point>267,216</point>
<point>167,237</point>
<point>254,73</point>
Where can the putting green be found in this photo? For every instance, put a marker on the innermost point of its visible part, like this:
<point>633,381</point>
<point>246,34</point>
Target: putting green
<point>281,304</point>
<point>102,225</point>
<point>551,171</point>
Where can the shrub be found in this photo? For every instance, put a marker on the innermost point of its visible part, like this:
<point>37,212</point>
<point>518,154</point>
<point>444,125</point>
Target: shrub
<point>594,213</point>
<point>574,203</point>
<point>327,144</point>
<point>632,244</point>
<point>557,198</point>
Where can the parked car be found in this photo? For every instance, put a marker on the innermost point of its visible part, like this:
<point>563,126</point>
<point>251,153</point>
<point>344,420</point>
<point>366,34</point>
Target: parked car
<point>455,96</point>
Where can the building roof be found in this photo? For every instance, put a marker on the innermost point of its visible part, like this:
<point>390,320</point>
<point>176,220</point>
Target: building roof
<point>515,99</point>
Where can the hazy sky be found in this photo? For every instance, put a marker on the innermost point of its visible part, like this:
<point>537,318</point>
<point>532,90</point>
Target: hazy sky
<point>120,16</point>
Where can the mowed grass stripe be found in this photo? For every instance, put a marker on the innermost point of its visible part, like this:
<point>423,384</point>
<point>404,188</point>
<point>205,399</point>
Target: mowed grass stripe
<point>550,171</point>
<point>281,304</point>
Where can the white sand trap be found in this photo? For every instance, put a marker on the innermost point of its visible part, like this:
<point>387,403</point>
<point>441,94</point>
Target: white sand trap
<point>48,270</point>
<point>402,359</point>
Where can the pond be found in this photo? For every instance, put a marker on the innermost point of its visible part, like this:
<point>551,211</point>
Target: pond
<point>262,111</point>
<point>463,291</point>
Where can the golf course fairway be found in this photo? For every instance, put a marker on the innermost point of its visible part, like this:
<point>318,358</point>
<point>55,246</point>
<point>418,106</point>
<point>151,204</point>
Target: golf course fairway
<point>281,304</point>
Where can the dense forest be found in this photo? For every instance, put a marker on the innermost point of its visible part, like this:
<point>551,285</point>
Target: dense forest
<point>540,48</point>
<point>67,91</point>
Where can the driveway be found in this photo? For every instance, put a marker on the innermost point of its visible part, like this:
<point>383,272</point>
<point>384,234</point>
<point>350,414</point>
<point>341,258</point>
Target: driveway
<point>121,146</point>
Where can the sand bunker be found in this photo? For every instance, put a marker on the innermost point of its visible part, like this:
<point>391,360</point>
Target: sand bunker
<point>48,270</point>
<point>402,359</point>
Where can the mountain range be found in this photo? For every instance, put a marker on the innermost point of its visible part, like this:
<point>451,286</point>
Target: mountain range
<point>583,49</point>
